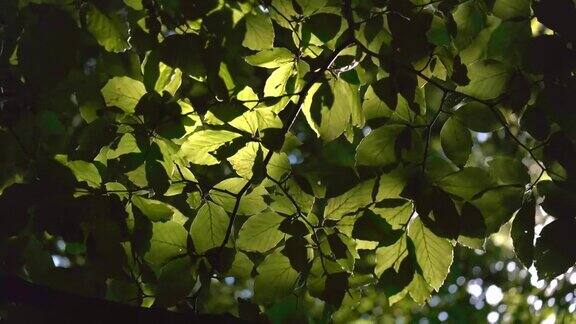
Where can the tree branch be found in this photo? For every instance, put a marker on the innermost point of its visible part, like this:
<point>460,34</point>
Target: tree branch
<point>429,131</point>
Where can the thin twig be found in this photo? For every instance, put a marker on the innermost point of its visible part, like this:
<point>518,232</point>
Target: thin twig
<point>429,131</point>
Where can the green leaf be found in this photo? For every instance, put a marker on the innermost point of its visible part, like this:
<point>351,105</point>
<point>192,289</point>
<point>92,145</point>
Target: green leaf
<point>335,288</point>
<point>374,107</point>
<point>248,97</point>
<point>257,120</point>
<point>508,9</point>
<point>509,171</point>
<point>260,232</point>
<point>472,243</point>
<point>278,80</point>
<point>82,170</point>
<point>349,202</point>
<point>396,212</point>
<point>456,141</point>
<point>168,241</point>
<point>379,147</point>
<point>155,210</point>
<point>522,231</point>
<point>434,254</point>
<point>467,182</point>
<point>241,266</point>
<point>488,79</point>
<point>134,4</point>
<point>198,146</point>
<point>259,32</point>
<point>129,128</point>
<point>477,117</point>
<point>284,205</point>
<point>176,281</point>
<point>328,107</point>
<point>243,162</point>
<point>157,177</point>
<point>110,32</point>
<point>121,290</point>
<point>438,33</point>
<point>126,145</point>
<point>250,204</point>
<point>276,278</point>
<point>498,205</point>
<point>391,256</point>
<point>169,79</point>
<point>392,184</point>
<point>123,92</point>
<point>469,20</point>
<point>271,58</point>
<point>343,248</point>
<point>419,289</point>
<point>509,40</point>
<point>209,227</point>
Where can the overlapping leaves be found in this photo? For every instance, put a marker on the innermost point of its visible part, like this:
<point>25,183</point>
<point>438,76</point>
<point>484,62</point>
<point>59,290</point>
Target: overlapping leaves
<point>312,146</point>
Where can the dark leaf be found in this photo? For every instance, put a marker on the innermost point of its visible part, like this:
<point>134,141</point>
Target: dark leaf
<point>372,227</point>
<point>522,231</point>
<point>555,251</point>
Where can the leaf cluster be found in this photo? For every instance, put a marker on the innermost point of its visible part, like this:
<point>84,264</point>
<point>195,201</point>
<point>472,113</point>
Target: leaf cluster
<point>316,147</point>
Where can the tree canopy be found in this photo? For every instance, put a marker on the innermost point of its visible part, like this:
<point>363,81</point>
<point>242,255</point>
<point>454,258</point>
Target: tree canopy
<point>321,148</point>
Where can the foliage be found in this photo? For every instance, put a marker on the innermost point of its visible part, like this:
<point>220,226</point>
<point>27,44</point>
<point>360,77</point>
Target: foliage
<point>482,286</point>
<point>318,148</point>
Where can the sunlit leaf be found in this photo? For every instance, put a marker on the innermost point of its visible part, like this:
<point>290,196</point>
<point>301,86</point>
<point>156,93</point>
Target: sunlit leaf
<point>271,58</point>
<point>153,209</point>
<point>349,202</point>
<point>434,254</point>
<point>209,227</point>
<point>110,32</point>
<point>259,32</point>
<point>391,256</point>
<point>123,92</point>
<point>168,240</point>
<point>488,79</point>
<point>260,232</point>
<point>276,278</point>
<point>199,145</point>
<point>379,147</point>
